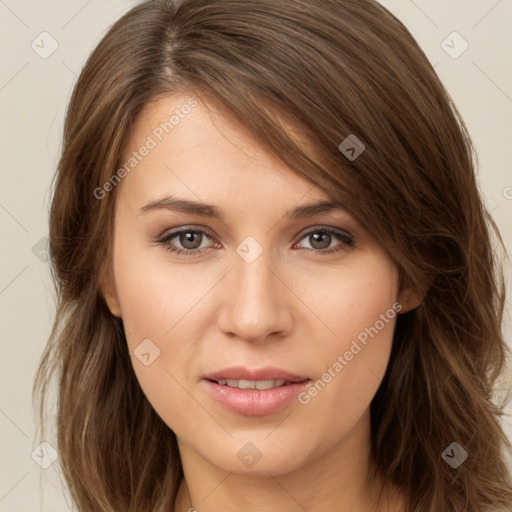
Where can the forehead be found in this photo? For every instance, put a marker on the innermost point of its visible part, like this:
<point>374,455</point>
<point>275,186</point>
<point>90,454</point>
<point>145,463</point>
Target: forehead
<point>182,146</point>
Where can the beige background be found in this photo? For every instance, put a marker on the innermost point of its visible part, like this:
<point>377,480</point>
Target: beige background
<point>33,95</point>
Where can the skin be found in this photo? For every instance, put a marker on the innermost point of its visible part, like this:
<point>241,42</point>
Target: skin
<point>290,308</point>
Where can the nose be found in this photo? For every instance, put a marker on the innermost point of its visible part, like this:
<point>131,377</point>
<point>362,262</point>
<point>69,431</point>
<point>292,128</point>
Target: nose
<point>255,302</point>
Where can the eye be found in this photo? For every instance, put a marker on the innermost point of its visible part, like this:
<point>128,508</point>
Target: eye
<point>187,241</point>
<point>321,240</point>
<point>192,242</point>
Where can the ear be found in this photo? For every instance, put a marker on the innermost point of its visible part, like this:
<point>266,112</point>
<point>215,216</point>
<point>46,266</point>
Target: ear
<point>412,296</point>
<point>109,292</point>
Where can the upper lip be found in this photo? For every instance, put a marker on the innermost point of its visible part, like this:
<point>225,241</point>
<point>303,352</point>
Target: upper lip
<point>243,373</point>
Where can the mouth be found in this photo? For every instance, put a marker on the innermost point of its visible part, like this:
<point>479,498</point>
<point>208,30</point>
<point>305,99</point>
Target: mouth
<point>261,385</point>
<point>254,392</point>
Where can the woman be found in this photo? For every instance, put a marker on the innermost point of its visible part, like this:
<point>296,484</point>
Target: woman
<point>276,282</point>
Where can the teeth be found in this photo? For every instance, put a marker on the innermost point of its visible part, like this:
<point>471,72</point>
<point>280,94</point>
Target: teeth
<point>252,384</point>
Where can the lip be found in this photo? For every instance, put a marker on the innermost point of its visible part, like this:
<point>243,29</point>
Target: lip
<point>266,373</point>
<point>254,402</point>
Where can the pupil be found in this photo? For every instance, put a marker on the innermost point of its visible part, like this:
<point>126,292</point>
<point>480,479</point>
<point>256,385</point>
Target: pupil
<point>320,240</point>
<point>191,239</point>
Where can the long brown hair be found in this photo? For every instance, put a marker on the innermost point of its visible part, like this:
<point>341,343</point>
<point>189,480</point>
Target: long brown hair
<point>330,69</point>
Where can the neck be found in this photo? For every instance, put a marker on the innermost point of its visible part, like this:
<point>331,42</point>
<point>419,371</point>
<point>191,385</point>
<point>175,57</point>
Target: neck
<point>340,479</point>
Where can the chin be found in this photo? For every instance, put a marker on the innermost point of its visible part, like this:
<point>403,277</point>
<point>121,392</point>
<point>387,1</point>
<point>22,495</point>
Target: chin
<point>257,455</point>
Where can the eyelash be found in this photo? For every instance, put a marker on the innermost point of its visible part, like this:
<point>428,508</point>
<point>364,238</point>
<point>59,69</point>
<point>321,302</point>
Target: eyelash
<point>346,239</point>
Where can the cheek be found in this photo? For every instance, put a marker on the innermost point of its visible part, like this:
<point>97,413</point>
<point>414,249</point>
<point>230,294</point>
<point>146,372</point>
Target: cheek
<point>160,308</point>
<point>361,311</point>
<point>157,329</point>
<point>155,297</point>
<point>350,301</point>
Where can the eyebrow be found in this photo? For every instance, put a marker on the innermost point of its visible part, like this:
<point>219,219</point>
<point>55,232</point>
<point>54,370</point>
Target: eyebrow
<point>206,210</point>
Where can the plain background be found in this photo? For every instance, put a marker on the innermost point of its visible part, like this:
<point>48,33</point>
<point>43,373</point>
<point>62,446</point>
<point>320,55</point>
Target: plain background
<point>34,92</point>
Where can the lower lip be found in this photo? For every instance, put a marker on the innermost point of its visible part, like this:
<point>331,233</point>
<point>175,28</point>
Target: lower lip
<point>255,402</point>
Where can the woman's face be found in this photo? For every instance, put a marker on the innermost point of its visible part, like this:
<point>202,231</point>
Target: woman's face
<point>259,325</point>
